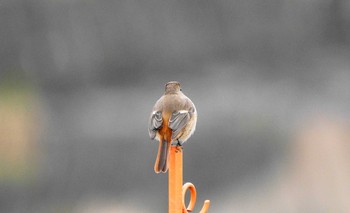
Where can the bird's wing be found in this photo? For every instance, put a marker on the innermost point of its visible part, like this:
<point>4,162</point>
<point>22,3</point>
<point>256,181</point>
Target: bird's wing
<point>155,122</point>
<point>178,121</point>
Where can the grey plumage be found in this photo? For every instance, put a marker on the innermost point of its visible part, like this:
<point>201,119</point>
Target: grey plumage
<point>172,120</point>
<point>155,122</point>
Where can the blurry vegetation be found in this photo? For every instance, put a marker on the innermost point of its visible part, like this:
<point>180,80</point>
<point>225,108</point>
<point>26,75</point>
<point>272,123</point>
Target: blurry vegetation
<point>18,130</point>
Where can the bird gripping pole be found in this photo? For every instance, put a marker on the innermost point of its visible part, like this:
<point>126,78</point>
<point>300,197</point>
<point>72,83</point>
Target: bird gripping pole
<point>177,191</point>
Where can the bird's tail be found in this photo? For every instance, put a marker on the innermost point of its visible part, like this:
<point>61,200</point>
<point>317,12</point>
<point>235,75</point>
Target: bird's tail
<point>161,164</point>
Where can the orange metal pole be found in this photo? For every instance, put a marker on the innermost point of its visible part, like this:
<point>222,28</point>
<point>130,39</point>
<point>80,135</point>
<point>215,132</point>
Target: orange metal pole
<point>175,180</point>
<point>177,192</point>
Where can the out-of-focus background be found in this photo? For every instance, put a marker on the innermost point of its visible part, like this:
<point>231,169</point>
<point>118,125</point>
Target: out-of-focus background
<point>270,80</point>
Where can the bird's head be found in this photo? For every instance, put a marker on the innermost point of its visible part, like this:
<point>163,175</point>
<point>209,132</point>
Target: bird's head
<point>172,87</point>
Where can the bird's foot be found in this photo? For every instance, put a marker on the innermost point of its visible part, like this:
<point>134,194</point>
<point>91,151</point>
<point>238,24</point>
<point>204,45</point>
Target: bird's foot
<point>178,145</point>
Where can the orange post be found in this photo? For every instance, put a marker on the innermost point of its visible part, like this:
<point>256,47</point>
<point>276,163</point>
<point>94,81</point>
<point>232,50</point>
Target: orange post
<point>175,180</point>
<point>177,192</point>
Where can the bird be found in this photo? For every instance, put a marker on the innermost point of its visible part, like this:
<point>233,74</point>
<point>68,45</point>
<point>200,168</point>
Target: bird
<point>172,121</point>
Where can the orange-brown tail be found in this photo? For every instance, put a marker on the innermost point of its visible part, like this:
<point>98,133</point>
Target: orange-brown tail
<point>161,164</point>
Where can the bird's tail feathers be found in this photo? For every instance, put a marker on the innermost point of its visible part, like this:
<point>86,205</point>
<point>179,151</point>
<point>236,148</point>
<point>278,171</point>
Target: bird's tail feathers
<point>161,164</point>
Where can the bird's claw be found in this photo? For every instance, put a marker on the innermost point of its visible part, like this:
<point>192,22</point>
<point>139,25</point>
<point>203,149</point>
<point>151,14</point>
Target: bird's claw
<point>177,145</point>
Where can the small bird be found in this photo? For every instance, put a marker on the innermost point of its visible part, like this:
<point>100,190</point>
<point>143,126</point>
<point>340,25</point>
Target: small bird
<point>172,121</point>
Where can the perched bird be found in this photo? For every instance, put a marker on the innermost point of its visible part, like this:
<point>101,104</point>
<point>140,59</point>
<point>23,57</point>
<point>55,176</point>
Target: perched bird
<point>172,121</point>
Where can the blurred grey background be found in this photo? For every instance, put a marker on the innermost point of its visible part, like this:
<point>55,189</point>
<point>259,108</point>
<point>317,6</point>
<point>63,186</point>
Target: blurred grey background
<point>270,80</point>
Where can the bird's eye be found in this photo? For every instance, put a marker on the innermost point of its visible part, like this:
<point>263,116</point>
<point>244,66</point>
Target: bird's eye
<point>180,89</point>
